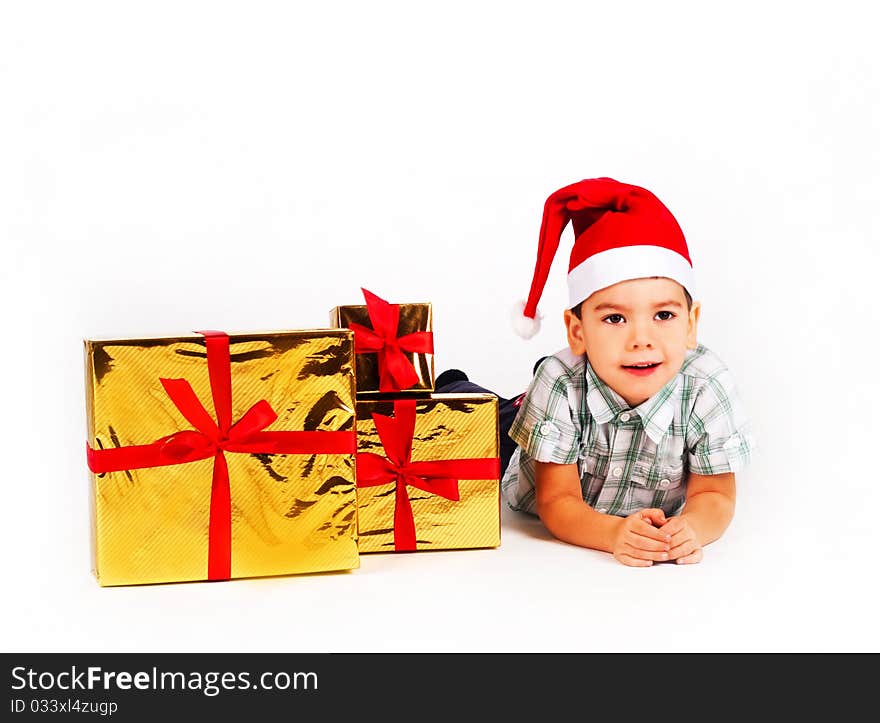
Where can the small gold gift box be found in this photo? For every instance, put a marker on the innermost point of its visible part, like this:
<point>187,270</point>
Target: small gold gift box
<point>394,345</point>
<point>428,473</point>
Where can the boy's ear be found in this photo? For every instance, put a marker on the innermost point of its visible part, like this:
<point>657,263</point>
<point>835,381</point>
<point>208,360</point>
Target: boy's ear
<point>575,330</point>
<point>693,319</point>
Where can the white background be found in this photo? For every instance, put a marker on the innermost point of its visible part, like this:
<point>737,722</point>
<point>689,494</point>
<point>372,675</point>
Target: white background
<point>174,166</point>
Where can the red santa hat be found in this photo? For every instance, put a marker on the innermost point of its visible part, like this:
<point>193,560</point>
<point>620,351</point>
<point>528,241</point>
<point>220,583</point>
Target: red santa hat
<point>621,232</point>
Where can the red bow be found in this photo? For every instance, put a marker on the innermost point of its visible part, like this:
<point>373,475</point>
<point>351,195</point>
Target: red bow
<point>396,372</point>
<point>438,477</point>
<point>212,439</point>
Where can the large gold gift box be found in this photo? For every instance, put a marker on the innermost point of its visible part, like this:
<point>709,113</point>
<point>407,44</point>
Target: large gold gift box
<point>193,475</point>
<point>428,473</point>
<point>394,349</point>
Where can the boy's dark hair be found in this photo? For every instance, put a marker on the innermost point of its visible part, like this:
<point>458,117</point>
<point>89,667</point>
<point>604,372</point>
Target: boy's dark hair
<point>576,310</point>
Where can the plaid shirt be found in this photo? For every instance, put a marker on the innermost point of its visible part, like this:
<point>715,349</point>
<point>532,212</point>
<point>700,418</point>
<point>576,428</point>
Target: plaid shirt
<point>628,458</point>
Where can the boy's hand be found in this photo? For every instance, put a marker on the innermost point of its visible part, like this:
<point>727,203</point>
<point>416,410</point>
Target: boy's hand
<point>639,542</point>
<point>685,548</point>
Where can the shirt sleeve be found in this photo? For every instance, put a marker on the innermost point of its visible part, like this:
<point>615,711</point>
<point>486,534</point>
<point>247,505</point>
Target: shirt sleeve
<point>719,436</point>
<point>545,427</point>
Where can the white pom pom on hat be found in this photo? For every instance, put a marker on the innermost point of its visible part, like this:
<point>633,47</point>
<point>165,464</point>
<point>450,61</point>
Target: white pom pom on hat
<point>621,232</point>
<point>525,326</point>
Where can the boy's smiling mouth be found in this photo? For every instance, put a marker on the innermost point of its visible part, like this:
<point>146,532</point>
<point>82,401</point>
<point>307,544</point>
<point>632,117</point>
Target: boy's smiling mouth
<point>642,369</point>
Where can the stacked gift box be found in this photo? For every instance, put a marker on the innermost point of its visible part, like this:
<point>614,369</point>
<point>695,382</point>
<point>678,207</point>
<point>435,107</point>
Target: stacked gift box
<point>427,463</point>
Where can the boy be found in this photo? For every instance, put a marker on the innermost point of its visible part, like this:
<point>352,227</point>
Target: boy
<point>635,422</point>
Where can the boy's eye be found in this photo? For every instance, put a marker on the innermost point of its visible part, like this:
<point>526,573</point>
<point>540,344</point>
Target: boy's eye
<point>614,319</point>
<point>665,315</point>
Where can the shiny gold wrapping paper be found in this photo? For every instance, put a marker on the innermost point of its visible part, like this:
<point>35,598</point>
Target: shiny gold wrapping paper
<point>291,513</point>
<point>413,318</point>
<point>448,426</point>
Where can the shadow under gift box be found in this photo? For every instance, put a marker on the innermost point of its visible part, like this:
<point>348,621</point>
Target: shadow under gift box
<point>290,512</point>
<point>413,318</point>
<point>453,501</point>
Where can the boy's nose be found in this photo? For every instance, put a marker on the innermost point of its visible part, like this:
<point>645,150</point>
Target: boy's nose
<point>640,337</point>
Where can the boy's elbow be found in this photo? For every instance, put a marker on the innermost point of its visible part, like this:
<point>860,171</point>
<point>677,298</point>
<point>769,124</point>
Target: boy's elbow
<point>544,508</point>
<point>554,509</point>
<point>557,496</point>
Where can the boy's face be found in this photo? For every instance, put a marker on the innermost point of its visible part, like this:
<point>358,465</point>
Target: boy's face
<point>635,334</point>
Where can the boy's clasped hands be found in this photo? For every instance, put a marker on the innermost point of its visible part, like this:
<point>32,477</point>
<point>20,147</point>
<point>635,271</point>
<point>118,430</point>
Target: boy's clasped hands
<point>648,536</point>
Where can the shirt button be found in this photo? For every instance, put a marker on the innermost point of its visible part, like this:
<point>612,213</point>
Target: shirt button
<point>624,417</point>
<point>545,428</point>
<point>664,483</point>
<point>602,510</point>
<point>617,471</point>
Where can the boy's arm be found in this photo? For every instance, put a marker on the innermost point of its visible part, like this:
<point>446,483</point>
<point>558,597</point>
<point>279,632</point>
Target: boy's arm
<point>709,504</point>
<point>633,540</point>
<point>708,510</point>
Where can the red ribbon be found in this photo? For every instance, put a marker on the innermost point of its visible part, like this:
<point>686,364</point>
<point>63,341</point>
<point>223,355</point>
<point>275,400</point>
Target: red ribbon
<point>396,372</point>
<point>213,439</point>
<point>438,477</point>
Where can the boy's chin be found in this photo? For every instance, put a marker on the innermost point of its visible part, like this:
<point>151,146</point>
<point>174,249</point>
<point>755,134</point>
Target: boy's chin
<point>637,390</point>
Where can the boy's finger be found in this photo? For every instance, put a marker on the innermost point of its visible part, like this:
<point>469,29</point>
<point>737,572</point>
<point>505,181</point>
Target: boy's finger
<point>643,542</point>
<point>694,557</point>
<point>646,529</point>
<point>672,526</point>
<point>653,515</point>
<point>681,536</point>
<point>642,554</point>
<point>633,561</point>
<point>688,547</point>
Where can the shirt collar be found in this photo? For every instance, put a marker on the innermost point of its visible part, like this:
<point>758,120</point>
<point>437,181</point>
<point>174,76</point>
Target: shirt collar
<point>603,402</point>
<point>656,413</point>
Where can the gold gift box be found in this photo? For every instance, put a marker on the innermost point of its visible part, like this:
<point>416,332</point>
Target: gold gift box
<point>413,318</point>
<point>290,513</point>
<point>447,427</point>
